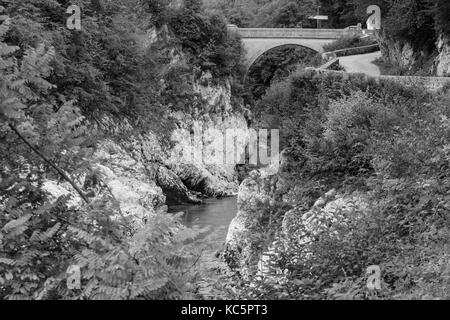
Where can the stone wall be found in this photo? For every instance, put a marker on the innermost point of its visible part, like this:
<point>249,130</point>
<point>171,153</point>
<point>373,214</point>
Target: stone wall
<point>430,83</point>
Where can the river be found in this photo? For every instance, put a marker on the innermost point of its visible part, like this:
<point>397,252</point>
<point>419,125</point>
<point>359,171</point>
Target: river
<point>215,214</point>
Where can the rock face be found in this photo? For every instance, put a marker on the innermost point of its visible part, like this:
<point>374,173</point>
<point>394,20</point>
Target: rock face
<point>260,197</point>
<point>329,214</point>
<point>398,53</point>
<point>402,54</point>
<point>333,216</point>
<point>271,201</point>
<point>174,189</point>
<point>144,177</point>
<point>207,172</point>
<point>264,194</point>
<point>443,59</point>
<point>217,95</point>
<point>116,176</point>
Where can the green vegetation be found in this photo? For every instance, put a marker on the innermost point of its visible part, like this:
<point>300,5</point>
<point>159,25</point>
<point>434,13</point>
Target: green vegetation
<point>284,13</point>
<point>59,89</point>
<point>384,149</point>
<point>40,239</point>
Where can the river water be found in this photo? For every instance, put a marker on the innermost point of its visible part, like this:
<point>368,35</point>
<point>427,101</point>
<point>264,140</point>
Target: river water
<point>215,214</point>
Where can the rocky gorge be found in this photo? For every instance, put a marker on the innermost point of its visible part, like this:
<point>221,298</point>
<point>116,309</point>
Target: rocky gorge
<point>111,188</point>
<point>143,172</point>
<point>143,177</point>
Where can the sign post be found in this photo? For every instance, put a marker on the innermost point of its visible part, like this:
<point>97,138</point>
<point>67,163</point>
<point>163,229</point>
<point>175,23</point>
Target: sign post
<point>319,18</point>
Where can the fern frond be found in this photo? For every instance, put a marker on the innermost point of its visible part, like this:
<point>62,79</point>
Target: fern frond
<point>6,50</point>
<point>14,224</point>
<point>4,27</point>
<point>6,261</point>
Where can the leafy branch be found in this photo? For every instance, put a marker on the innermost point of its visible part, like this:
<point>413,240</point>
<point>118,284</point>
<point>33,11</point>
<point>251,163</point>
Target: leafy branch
<point>59,170</point>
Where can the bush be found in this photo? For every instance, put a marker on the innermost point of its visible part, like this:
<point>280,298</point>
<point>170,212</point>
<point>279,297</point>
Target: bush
<point>206,41</point>
<point>384,148</point>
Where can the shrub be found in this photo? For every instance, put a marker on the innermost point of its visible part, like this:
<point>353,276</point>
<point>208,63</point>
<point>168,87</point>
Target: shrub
<point>204,38</point>
<point>379,142</point>
<point>39,238</point>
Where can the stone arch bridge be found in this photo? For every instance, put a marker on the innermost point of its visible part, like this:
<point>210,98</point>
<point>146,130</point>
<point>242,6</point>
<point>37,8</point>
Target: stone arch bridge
<point>258,41</point>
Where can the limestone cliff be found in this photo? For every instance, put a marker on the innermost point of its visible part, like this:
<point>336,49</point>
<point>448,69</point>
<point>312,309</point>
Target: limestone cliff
<point>443,59</point>
<point>262,196</point>
<point>412,60</point>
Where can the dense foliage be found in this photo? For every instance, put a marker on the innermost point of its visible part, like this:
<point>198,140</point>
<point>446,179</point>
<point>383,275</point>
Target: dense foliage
<point>383,149</point>
<point>203,37</point>
<point>285,13</point>
<point>59,90</point>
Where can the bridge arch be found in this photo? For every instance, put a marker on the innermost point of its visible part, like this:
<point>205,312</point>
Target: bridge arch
<point>258,54</point>
<point>260,73</point>
<point>257,41</point>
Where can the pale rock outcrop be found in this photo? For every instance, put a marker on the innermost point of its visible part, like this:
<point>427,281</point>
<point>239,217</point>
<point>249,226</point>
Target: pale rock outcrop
<point>208,171</point>
<point>264,195</point>
<point>128,182</point>
<point>260,197</point>
<point>56,190</point>
<point>332,215</point>
<point>399,53</point>
<point>115,176</point>
<point>174,189</point>
<point>217,95</point>
<point>402,54</point>
<point>443,59</point>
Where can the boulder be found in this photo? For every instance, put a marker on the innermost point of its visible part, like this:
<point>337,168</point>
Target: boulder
<point>174,189</point>
<point>260,197</point>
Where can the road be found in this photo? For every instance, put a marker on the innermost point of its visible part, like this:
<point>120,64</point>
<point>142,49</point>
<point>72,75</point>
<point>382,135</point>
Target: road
<point>361,63</point>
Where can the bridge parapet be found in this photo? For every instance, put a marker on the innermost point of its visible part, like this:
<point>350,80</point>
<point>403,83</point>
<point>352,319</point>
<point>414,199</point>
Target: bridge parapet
<point>298,33</point>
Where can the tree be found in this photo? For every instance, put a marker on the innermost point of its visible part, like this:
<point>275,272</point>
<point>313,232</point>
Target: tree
<point>40,238</point>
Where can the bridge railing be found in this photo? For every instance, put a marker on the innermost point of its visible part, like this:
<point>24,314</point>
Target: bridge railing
<point>330,55</point>
<point>304,33</point>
